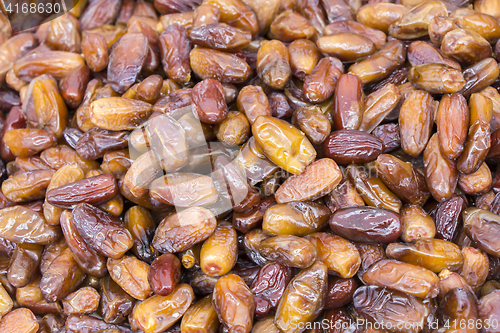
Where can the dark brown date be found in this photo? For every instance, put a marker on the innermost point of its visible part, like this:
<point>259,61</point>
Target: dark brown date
<point>403,179</point>
<point>339,291</point>
<point>126,61</point>
<point>102,231</point>
<point>268,287</point>
<point>165,274</point>
<point>377,304</point>
<point>87,258</point>
<point>349,146</point>
<point>448,218</point>
<point>366,224</point>
<point>94,190</point>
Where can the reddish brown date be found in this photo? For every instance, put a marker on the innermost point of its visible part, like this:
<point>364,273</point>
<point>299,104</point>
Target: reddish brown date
<point>349,146</point>
<point>94,190</point>
<point>268,287</point>
<point>366,224</point>
<point>102,231</point>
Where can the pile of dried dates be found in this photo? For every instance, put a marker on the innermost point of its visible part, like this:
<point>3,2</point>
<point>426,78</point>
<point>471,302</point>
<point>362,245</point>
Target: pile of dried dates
<point>264,166</point>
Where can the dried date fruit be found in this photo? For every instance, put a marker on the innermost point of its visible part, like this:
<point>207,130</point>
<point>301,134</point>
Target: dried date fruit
<point>273,64</point>
<point>317,179</point>
<point>283,144</point>
<point>209,104</point>
<point>346,261</point>
<point>175,47</point>
<point>200,317</point>
<point>403,277</point>
<point>115,303</point>
<point>377,304</point>
<point>94,191</point>
<point>87,258</point>
<point>350,146</point>
<point>416,224</point>
<point>83,301</point>
<point>452,120</point>
<point>174,235</point>
<point>102,231</point>
<point>22,225</point>
<point>433,254</point>
<point>126,61</point>
<point>21,319</point>
<point>288,250</point>
<point>402,179</point>
<point>95,51</point>
<point>131,274</point>
<point>219,252</point>
<point>234,303</point>
<point>158,313</point>
<point>366,224</point>
<point>441,174</point>
<point>218,65</point>
<point>62,277</point>
<point>303,298</point>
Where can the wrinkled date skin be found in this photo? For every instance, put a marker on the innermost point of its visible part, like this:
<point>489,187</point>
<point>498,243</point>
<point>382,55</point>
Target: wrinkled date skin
<point>303,298</point>
<point>175,235</point>
<point>94,190</point>
<point>158,313</point>
<point>88,259</point>
<point>415,122</point>
<point>295,218</point>
<point>283,144</point>
<point>488,307</point>
<point>416,224</point>
<point>234,303</point>
<point>366,224</point>
<point>407,278</point>
<point>288,250</point>
<point>126,61</point>
<point>459,305</point>
<point>175,48</point>
<point>200,317</point>
<point>348,103</point>
<point>268,287</point>
<point>346,261</point>
<point>339,291</point>
<point>482,226</point>
<point>184,190</point>
<point>317,179</point>
<point>209,104</point>
<point>219,252</point>
<point>217,65</point>
<point>139,222</point>
<point>452,121</point>
<point>131,274</point>
<point>441,174</point>
<point>61,278</point>
<point>102,231</point>
<point>349,146</point>
<point>402,179</point>
<point>23,225</point>
<point>116,304</point>
<point>273,64</point>
<point>94,143</point>
<point>377,304</point>
<point>165,274</point>
<point>448,218</point>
